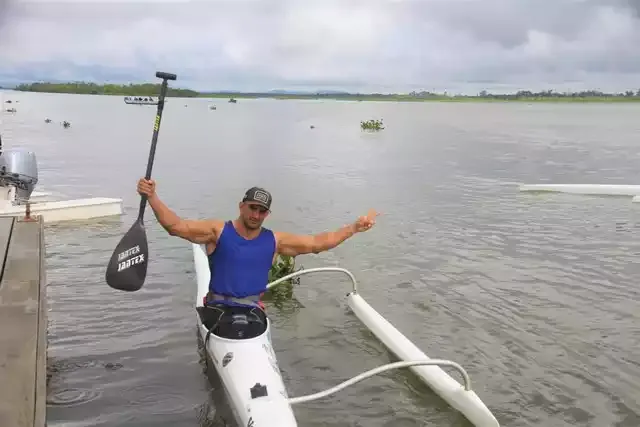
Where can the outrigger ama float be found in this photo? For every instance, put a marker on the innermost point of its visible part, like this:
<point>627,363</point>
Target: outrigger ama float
<point>248,369</point>
<point>586,189</point>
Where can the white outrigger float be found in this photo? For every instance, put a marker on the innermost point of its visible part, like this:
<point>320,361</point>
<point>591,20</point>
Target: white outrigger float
<point>249,372</point>
<point>586,189</point>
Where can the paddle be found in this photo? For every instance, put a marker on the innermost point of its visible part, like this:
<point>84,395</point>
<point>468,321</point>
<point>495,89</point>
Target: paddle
<point>127,268</point>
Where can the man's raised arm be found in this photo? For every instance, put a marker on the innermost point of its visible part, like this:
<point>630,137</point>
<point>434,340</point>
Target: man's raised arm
<point>296,244</point>
<point>196,231</point>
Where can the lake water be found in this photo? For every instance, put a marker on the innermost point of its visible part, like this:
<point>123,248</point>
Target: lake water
<point>537,296</point>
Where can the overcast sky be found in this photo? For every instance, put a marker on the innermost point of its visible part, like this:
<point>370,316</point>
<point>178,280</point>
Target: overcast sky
<point>368,45</point>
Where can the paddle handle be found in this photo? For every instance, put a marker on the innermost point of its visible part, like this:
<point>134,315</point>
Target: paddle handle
<point>165,76</point>
<point>156,129</point>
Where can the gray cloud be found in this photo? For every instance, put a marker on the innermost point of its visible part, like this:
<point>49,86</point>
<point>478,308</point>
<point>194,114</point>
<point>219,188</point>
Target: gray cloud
<point>4,14</point>
<point>633,5</point>
<point>508,22</point>
<point>350,44</point>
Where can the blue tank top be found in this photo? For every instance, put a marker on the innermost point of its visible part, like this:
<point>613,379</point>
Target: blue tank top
<point>240,267</point>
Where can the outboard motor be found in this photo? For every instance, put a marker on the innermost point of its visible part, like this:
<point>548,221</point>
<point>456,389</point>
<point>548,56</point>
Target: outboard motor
<point>19,169</point>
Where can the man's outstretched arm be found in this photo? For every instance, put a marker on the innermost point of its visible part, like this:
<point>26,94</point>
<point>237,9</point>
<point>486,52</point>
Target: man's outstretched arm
<point>296,244</point>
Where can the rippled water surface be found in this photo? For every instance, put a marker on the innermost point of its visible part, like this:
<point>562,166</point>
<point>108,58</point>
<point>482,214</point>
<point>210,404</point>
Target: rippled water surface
<point>537,296</point>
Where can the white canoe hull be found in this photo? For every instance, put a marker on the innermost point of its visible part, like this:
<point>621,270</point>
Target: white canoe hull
<point>465,401</point>
<point>591,189</point>
<point>241,364</point>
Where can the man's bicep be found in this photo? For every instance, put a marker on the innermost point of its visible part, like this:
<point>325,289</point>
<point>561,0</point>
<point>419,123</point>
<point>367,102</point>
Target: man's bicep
<point>200,231</point>
<point>295,244</point>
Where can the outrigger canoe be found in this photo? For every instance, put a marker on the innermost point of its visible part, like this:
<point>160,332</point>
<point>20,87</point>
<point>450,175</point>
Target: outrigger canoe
<point>244,359</point>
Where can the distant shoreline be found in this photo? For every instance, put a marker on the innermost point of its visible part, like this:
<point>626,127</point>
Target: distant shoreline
<point>433,98</point>
<point>153,90</point>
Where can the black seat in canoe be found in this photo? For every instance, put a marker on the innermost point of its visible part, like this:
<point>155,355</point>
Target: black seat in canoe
<point>233,322</point>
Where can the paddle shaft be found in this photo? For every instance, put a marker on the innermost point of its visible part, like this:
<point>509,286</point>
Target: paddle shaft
<point>156,129</point>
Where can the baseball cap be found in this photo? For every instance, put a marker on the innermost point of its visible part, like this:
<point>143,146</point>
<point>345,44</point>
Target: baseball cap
<point>258,196</point>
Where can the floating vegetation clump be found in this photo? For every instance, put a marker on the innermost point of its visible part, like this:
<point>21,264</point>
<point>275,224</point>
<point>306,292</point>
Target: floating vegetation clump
<point>281,267</point>
<point>374,125</point>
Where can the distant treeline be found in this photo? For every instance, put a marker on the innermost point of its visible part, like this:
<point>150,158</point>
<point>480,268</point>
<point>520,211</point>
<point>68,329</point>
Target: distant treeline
<point>552,94</point>
<point>146,89</point>
<point>520,95</point>
<point>149,89</point>
<point>523,95</point>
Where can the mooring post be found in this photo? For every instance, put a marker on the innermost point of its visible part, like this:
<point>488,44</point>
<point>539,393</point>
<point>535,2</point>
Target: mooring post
<point>27,213</point>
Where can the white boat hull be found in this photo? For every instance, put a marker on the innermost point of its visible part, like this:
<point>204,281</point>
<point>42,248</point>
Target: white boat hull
<point>465,401</point>
<point>636,199</point>
<point>590,189</point>
<point>67,210</point>
<point>248,362</point>
<point>131,100</point>
<point>52,211</point>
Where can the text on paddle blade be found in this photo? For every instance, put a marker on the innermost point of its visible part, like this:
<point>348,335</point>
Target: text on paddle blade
<point>125,262</point>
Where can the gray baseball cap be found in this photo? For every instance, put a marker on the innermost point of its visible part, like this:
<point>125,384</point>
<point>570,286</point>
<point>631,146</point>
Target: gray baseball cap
<point>259,196</point>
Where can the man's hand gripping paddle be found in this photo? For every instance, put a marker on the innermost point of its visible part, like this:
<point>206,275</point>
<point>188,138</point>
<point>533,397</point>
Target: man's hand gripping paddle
<point>127,268</point>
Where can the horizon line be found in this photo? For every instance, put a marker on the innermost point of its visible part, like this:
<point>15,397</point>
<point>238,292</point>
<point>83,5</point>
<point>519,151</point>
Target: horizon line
<point>422,92</point>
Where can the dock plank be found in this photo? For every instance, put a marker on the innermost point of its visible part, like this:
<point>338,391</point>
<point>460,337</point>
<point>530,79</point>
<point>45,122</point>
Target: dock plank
<point>23,328</point>
<point>40,412</point>
<point>6,226</point>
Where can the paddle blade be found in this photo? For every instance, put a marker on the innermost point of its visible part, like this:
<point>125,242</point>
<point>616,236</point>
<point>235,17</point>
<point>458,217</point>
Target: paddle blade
<point>127,268</point>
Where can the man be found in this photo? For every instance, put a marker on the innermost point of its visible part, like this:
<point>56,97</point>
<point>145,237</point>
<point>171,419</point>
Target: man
<point>241,252</point>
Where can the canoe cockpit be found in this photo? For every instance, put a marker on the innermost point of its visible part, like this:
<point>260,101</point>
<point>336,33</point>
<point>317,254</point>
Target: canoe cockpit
<point>235,323</point>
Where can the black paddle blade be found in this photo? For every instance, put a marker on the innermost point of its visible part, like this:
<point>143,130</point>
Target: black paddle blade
<point>127,268</point>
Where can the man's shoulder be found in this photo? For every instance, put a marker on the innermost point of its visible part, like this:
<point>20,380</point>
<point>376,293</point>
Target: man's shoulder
<point>217,223</point>
<point>278,234</point>
<point>286,238</point>
<point>268,231</point>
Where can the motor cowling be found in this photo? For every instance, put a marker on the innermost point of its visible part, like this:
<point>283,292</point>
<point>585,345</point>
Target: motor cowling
<point>19,169</point>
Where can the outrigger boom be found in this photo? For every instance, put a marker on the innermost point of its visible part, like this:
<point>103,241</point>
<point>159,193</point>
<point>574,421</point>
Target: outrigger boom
<point>428,370</point>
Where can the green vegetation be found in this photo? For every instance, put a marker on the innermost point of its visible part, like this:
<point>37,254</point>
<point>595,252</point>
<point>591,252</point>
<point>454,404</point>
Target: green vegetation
<point>284,291</point>
<point>149,89</point>
<point>374,125</point>
<point>146,89</point>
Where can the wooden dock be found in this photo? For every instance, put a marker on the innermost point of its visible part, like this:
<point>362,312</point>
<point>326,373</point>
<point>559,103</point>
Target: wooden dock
<point>23,323</point>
